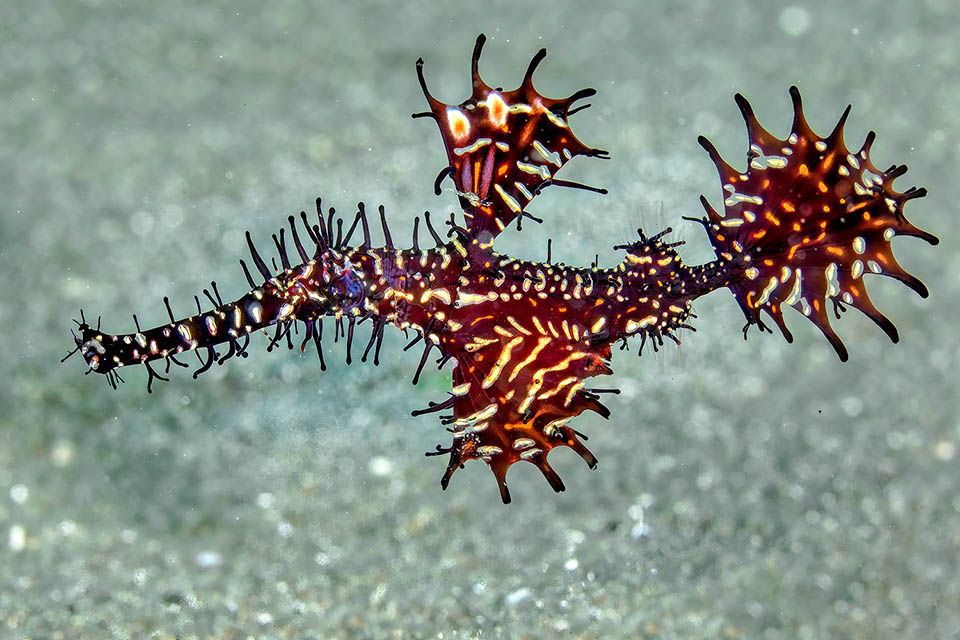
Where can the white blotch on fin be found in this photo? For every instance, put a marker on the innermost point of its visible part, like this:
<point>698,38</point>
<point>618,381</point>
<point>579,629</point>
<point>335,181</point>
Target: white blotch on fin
<point>856,270</point>
<point>521,108</point>
<point>523,190</point>
<point>458,123</point>
<point>794,296</point>
<point>767,290</point>
<point>510,200</point>
<point>737,198</point>
<point>833,285</point>
<point>480,143</point>
<point>634,325</point>
<point>552,117</point>
<point>535,169</point>
<point>496,109</point>
<point>549,156</point>
<point>523,443</point>
<point>761,161</point>
<point>474,418</point>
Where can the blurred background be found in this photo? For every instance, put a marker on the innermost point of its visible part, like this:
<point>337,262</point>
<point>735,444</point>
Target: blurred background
<point>745,489</point>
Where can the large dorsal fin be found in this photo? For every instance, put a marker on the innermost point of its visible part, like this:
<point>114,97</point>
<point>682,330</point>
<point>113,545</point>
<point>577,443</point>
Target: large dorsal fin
<point>504,147</point>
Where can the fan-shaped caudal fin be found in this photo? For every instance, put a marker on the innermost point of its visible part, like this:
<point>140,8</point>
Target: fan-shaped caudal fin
<point>806,221</point>
<point>512,398</point>
<point>504,147</point>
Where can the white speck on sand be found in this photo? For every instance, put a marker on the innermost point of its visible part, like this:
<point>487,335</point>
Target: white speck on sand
<point>794,20</point>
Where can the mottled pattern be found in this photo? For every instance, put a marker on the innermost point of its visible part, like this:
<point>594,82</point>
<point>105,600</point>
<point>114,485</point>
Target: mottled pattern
<point>811,218</point>
<point>504,147</point>
<point>524,337</point>
<point>746,489</point>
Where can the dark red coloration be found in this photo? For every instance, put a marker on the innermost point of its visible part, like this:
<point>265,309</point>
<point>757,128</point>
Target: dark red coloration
<point>821,220</point>
<point>504,147</point>
<point>801,227</point>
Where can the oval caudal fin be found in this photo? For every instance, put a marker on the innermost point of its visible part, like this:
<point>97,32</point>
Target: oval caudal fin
<point>807,220</point>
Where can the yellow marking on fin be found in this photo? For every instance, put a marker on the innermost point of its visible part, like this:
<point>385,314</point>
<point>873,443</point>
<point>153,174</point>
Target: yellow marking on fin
<point>536,323</point>
<point>510,200</point>
<point>552,392</point>
<point>518,327</point>
<point>530,358</point>
<point>501,363</point>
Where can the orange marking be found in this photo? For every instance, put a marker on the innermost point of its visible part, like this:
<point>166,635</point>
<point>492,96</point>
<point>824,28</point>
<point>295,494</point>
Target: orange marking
<point>789,208</point>
<point>476,176</point>
<point>766,183</point>
<point>772,218</point>
<point>769,263</point>
<point>804,171</point>
<point>859,206</point>
<point>793,250</point>
<point>826,208</point>
<point>476,320</point>
<point>855,291</point>
<point>502,170</point>
<point>598,302</point>
<point>822,186</point>
<point>499,112</point>
<point>816,304</point>
<point>796,226</point>
<point>837,251</point>
<point>866,215</point>
<point>760,234</point>
<point>828,161</point>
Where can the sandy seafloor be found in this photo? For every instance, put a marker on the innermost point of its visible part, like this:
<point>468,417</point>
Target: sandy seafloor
<point>745,489</point>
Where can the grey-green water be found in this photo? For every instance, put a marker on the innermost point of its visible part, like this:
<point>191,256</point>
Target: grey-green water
<point>745,489</point>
